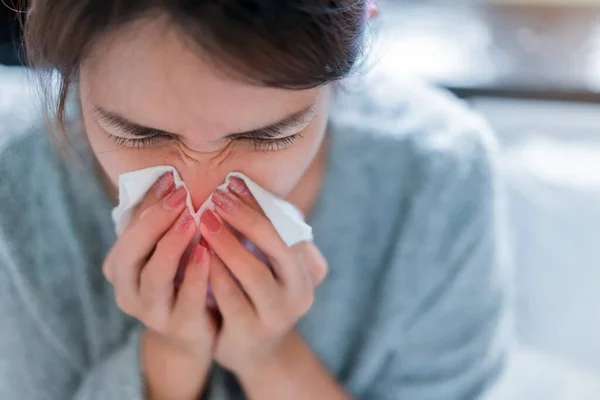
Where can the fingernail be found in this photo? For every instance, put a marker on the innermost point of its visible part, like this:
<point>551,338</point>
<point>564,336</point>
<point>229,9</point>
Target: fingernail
<point>238,186</point>
<point>223,201</point>
<point>198,254</point>
<point>210,221</point>
<point>184,221</point>
<point>175,199</point>
<point>164,186</point>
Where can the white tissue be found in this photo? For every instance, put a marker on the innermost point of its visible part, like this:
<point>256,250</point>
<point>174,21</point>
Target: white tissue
<point>133,186</point>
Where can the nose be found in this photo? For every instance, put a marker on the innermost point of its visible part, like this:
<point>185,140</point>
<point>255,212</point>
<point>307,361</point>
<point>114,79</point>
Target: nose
<point>201,184</point>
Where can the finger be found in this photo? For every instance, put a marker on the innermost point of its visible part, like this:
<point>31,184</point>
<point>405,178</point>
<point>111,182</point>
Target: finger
<point>137,242</point>
<point>239,188</point>
<point>157,277</point>
<point>315,262</point>
<point>161,189</point>
<point>259,230</point>
<point>230,298</point>
<point>191,298</point>
<point>256,278</point>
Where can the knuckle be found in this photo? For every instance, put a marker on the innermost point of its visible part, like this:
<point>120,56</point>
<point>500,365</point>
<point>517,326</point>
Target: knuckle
<point>154,216</point>
<point>306,246</point>
<point>320,273</point>
<point>148,217</point>
<point>262,334</point>
<point>229,289</point>
<point>125,304</point>
<point>275,321</point>
<point>323,268</point>
<point>301,248</point>
<point>110,255</point>
<point>317,263</point>
<point>120,256</point>
<point>222,279</point>
<point>139,210</point>
<point>302,303</point>
<point>171,329</point>
<point>262,279</point>
<point>278,315</point>
<point>273,300</point>
<point>106,268</point>
<point>155,321</point>
<point>153,282</point>
<point>254,219</point>
<point>154,312</point>
<point>167,253</point>
<point>306,303</point>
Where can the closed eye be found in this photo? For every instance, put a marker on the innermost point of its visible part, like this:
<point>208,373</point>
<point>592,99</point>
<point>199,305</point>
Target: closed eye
<point>258,143</point>
<point>268,138</point>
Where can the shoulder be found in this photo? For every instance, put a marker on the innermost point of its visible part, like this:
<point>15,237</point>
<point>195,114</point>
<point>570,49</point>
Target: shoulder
<point>428,164</point>
<point>52,239</point>
<point>51,246</point>
<point>414,138</point>
<point>434,164</point>
<point>30,190</point>
<point>29,168</point>
<point>51,223</point>
<point>40,191</point>
<point>428,226</point>
<point>27,165</point>
<point>31,175</point>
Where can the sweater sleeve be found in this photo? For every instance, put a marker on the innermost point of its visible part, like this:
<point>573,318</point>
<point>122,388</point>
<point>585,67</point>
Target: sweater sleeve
<point>39,360</point>
<point>117,377</point>
<point>451,262</point>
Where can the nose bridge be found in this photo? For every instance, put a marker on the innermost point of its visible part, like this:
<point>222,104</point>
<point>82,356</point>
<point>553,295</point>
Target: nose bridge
<point>201,183</point>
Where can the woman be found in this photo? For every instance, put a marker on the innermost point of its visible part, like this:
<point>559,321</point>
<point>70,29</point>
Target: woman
<point>397,183</point>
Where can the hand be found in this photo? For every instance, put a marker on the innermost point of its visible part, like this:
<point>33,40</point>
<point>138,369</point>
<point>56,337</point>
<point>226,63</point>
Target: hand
<point>261,306</point>
<point>142,266</point>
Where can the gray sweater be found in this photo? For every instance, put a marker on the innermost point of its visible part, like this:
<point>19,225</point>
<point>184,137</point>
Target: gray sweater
<point>414,306</point>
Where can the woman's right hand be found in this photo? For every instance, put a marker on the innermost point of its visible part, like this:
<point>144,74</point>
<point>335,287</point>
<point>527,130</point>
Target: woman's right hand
<point>177,345</point>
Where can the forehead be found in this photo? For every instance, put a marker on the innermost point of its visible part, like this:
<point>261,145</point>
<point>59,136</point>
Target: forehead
<point>147,74</point>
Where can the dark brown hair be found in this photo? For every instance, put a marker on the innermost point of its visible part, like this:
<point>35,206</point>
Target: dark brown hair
<point>291,44</point>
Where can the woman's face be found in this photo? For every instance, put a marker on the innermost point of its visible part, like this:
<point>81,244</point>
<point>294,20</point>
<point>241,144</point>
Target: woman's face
<point>149,99</point>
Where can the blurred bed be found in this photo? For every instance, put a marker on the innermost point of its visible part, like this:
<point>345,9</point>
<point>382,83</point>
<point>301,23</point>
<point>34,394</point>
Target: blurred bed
<point>551,162</point>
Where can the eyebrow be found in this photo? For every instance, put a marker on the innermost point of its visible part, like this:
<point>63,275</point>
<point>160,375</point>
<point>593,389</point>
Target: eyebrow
<point>270,131</point>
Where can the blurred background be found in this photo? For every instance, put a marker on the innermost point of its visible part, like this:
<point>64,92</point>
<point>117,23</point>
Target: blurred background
<point>532,67</point>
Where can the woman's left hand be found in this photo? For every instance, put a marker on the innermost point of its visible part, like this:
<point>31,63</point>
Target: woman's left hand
<point>261,308</point>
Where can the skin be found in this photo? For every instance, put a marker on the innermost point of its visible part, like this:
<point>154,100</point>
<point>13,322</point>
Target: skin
<point>131,72</point>
<point>253,333</point>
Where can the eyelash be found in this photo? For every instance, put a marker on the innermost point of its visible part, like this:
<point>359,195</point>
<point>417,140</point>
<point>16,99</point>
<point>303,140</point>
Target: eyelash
<point>259,144</point>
